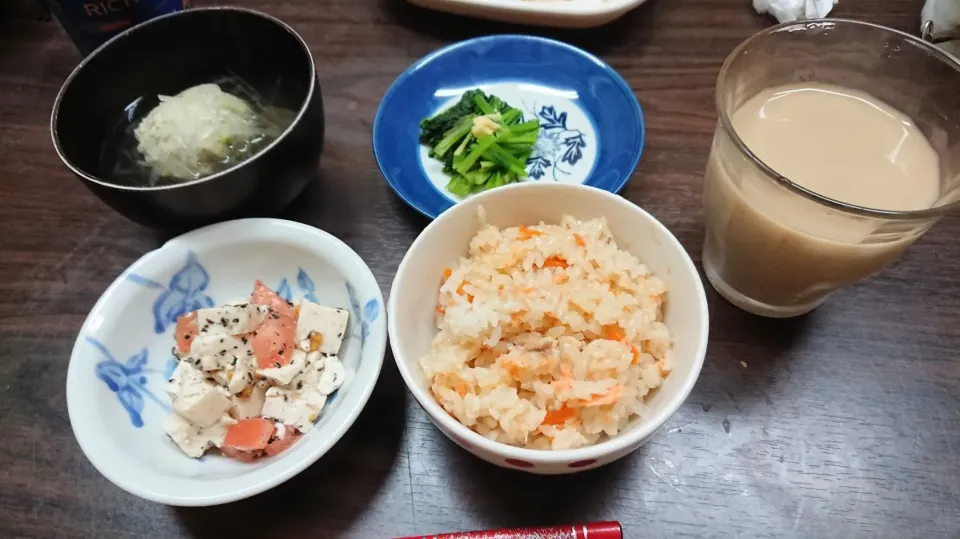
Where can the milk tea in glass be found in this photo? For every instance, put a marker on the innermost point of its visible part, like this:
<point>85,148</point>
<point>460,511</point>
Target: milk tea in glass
<point>837,146</point>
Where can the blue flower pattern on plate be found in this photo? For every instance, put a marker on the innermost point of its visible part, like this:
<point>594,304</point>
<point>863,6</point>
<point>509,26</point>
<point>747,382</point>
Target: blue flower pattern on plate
<point>559,148</point>
<point>551,119</point>
<point>128,380</point>
<point>171,366</point>
<point>306,285</point>
<point>369,313</point>
<point>574,152</point>
<point>304,282</point>
<point>284,290</point>
<point>538,165</point>
<point>184,294</point>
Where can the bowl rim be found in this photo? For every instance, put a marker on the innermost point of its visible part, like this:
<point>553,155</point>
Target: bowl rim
<point>611,446</point>
<point>374,351</point>
<point>308,98</point>
<point>615,76</point>
<point>562,9</point>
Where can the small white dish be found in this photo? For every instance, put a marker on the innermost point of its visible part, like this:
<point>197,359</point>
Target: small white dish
<point>122,357</point>
<point>555,13</point>
<point>412,326</point>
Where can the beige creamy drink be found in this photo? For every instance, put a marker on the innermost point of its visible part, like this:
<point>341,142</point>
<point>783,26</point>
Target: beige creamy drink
<point>776,253</point>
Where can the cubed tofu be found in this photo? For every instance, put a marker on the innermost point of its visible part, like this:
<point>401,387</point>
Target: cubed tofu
<point>295,408</point>
<point>212,351</point>
<point>221,378</point>
<point>193,440</point>
<point>332,376</point>
<point>242,374</point>
<point>299,404</point>
<point>173,384</point>
<point>329,322</point>
<point>199,400</point>
<point>309,377</point>
<point>283,375</point>
<point>251,405</point>
<point>231,319</point>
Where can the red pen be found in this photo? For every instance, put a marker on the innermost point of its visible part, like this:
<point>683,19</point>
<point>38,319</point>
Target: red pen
<point>593,530</point>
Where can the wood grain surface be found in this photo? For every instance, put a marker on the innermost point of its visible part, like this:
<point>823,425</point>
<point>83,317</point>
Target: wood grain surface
<point>843,423</point>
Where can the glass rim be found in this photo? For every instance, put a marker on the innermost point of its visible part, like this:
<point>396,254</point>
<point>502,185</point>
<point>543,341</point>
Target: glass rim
<point>783,181</point>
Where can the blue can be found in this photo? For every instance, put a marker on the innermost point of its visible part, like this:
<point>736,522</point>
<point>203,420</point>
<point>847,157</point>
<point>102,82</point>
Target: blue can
<point>90,23</point>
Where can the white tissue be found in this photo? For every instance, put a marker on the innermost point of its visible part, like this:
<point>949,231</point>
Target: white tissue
<point>794,10</point>
<point>945,15</point>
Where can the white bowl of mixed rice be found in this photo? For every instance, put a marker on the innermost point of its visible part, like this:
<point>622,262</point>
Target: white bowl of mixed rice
<point>548,327</point>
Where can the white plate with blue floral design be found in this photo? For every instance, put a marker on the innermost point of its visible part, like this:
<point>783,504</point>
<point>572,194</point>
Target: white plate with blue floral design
<point>591,125</point>
<point>122,357</point>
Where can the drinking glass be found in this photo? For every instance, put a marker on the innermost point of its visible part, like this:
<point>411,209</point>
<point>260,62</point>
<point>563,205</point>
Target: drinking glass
<point>783,253</point>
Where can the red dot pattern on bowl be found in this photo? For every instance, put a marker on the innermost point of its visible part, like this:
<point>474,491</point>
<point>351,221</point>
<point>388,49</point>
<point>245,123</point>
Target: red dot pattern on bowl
<point>582,463</point>
<point>519,463</point>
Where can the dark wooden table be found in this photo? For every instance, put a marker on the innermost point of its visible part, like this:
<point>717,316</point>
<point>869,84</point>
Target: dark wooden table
<point>844,423</point>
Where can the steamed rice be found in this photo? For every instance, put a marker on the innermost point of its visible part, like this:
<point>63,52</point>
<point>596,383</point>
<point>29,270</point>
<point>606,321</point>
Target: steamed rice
<point>550,336</point>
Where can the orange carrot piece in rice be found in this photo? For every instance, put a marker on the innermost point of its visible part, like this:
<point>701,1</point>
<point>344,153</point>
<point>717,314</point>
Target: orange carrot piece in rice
<point>447,272</point>
<point>555,262</point>
<point>636,355</point>
<point>527,233</point>
<point>612,332</point>
<point>577,238</point>
<point>515,368</point>
<point>609,397</point>
<point>559,417</point>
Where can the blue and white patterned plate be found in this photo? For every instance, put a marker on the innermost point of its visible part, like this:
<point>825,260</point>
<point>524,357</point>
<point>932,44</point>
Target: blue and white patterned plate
<point>122,357</point>
<point>592,126</point>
